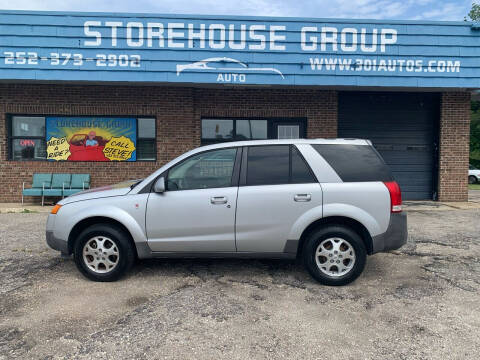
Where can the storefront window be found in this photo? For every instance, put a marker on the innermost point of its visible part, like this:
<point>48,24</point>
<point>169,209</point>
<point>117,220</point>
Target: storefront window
<point>146,142</point>
<point>28,126</point>
<point>251,129</point>
<point>29,149</point>
<point>27,140</point>
<point>218,130</point>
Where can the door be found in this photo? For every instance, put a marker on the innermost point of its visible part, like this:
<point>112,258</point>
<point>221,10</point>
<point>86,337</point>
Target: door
<point>403,127</point>
<point>276,188</point>
<point>196,213</point>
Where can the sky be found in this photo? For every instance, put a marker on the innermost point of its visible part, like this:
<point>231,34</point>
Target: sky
<point>363,9</point>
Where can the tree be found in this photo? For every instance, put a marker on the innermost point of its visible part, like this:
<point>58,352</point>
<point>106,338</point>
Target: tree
<point>475,134</point>
<point>474,13</point>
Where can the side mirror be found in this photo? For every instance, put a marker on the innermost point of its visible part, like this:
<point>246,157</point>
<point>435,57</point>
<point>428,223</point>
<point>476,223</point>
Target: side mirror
<point>159,186</point>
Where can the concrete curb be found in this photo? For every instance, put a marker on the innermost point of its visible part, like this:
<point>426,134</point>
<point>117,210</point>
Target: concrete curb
<point>439,206</point>
<point>8,208</point>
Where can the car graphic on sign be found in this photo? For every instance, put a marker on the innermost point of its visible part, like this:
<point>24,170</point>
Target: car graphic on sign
<point>238,66</point>
<point>81,152</point>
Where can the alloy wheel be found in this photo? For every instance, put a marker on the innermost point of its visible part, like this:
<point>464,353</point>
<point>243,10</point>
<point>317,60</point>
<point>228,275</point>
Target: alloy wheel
<point>101,254</point>
<point>335,257</point>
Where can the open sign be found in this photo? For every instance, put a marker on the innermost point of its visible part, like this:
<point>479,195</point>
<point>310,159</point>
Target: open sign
<point>26,142</point>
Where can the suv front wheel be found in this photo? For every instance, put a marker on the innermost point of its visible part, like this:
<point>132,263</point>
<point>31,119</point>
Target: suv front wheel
<point>103,252</point>
<point>334,255</point>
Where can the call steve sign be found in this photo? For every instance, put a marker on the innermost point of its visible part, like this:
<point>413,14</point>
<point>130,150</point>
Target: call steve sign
<point>240,50</point>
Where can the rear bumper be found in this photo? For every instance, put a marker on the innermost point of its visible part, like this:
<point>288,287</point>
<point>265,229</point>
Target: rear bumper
<point>395,236</point>
<point>56,244</point>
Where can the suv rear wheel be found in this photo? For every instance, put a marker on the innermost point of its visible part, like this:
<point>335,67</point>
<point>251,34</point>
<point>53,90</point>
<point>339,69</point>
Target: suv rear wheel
<point>334,255</point>
<point>103,252</point>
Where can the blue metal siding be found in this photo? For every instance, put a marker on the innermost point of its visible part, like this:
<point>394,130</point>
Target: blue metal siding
<point>424,54</point>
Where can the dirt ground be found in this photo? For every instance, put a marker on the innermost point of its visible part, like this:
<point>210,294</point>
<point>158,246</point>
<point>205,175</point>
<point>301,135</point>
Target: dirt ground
<point>421,302</point>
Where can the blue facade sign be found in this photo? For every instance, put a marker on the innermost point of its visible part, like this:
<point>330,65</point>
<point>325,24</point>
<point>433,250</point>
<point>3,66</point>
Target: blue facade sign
<point>143,48</point>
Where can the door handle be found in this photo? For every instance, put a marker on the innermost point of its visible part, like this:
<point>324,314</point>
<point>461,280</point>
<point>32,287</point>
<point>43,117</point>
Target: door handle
<point>302,197</point>
<point>218,200</point>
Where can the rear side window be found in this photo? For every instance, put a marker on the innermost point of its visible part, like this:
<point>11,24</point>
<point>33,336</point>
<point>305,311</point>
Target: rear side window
<point>301,173</point>
<point>268,165</point>
<point>355,163</point>
<point>277,164</point>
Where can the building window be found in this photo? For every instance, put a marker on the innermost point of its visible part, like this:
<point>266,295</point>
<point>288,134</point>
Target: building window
<point>251,129</point>
<point>288,131</point>
<point>219,130</point>
<point>71,138</point>
<point>27,138</point>
<point>146,141</point>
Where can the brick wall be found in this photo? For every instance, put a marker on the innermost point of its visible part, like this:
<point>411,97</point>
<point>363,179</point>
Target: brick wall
<point>177,110</point>
<point>454,146</point>
<point>319,107</point>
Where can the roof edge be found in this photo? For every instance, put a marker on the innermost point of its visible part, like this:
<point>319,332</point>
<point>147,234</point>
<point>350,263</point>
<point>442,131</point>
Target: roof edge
<point>238,17</point>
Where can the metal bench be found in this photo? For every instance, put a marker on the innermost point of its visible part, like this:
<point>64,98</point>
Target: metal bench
<point>78,183</point>
<point>39,183</point>
<point>46,184</point>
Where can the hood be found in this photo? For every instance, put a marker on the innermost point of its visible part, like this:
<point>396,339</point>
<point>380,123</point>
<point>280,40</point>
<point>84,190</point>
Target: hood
<point>119,189</point>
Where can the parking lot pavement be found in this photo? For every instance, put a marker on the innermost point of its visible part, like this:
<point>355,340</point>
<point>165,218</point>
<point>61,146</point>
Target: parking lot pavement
<point>420,302</point>
<point>474,196</point>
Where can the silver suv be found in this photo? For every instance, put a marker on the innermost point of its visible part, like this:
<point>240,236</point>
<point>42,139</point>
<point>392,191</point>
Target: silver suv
<point>329,202</point>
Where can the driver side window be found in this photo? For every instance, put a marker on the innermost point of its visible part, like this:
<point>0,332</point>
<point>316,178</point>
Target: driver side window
<point>211,169</point>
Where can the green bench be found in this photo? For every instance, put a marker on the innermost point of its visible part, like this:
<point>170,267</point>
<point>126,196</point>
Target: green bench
<point>44,184</point>
<point>78,183</point>
<point>39,183</point>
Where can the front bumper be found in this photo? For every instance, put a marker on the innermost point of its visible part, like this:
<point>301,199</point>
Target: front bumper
<point>56,244</point>
<point>395,236</point>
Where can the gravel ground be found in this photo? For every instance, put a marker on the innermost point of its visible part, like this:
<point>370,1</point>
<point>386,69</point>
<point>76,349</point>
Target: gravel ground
<point>421,302</point>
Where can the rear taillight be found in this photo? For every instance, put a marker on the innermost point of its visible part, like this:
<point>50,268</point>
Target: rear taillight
<point>395,196</point>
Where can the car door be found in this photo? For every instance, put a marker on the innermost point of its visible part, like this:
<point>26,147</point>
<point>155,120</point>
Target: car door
<point>276,188</point>
<point>196,213</point>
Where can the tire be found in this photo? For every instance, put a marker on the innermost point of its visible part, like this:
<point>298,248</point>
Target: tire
<point>115,259</point>
<point>472,179</point>
<point>330,268</point>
